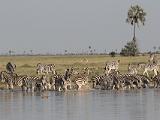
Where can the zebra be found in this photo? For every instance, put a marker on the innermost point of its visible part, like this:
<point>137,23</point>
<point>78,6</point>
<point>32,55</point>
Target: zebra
<point>151,67</point>
<point>10,67</point>
<point>8,79</point>
<point>144,80</point>
<point>45,83</point>
<point>18,81</point>
<point>113,65</point>
<point>30,83</point>
<point>58,82</point>
<point>45,68</point>
<point>80,82</point>
<point>156,81</point>
<point>133,68</point>
<point>68,73</point>
<point>151,57</point>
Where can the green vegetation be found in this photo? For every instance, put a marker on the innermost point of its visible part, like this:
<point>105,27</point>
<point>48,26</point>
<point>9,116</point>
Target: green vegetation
<point>130,49</point>
<point>135,16</point>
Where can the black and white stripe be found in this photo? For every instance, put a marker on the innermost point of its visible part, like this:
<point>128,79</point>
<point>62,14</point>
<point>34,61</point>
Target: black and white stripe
<point>45,68</point>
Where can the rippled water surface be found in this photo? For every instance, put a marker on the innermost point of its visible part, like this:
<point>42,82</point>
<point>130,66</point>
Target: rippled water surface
<point>93,105</point>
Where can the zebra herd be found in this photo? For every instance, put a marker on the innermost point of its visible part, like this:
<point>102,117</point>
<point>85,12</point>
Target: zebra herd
<point>47,79</point>
<point>111,79</point>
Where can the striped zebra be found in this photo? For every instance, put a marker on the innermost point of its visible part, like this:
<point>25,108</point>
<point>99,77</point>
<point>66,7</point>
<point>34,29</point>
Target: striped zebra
<point>30,83</point>
<point>113,65</point>
<point>8,79</point>
<point>45,68</point>
<point>151,67</point>
<point>10,67</point>
<point>80,80</point>
<point>156,81</point>
<point>133,68</point>
<point>45,83</point>
<point>18,81</point>
<point>59,83</point>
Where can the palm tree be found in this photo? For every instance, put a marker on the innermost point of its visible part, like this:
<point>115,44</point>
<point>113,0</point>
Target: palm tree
<point>135,16</point>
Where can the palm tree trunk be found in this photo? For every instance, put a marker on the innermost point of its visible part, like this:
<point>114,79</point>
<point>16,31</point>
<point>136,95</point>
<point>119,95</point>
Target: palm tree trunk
<point>134,31</point>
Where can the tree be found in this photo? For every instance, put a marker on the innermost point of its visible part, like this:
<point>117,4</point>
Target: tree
<point>112,54</point>
<point>136,15</point>
<point>130,49</point>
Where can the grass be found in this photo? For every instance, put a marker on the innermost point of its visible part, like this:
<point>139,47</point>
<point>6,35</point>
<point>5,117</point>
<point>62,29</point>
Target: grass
<point>27,64</point>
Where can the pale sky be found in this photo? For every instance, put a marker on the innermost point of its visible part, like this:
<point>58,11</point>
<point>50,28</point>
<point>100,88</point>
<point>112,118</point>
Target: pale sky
<point>55,25</point>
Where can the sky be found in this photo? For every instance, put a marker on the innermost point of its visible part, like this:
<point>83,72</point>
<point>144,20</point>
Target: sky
<point>52,26</point>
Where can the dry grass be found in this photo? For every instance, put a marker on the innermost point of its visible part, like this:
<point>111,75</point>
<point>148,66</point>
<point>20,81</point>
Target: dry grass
<point>27,64</point>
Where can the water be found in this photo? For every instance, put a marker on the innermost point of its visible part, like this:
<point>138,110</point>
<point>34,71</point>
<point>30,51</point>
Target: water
<point>92,105</point>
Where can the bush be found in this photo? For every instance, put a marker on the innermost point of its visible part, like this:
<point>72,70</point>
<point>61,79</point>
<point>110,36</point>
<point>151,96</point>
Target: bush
<point>112,54</point>
<point>130,49</point>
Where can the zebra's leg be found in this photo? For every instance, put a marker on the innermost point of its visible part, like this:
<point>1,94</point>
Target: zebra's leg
<point>11,86</point>
<point>7,86</point>
<point>53,72</point>
<point>147,73</point>
<point>53,87</point>
<point>45,87</point>
<point>33,88</point>
<point>79,87</point>
<point>59,88</point>
<point>155,73</point>
<point>22,88</point>
<point>27,88</point>
<point>49,86</point>
<point>136,72</point>
<point>144,72</point>
<point>109,71</point>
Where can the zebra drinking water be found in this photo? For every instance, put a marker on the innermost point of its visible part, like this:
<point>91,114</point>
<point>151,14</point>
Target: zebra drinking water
<point>30,83</point>
<point>8,79</point>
